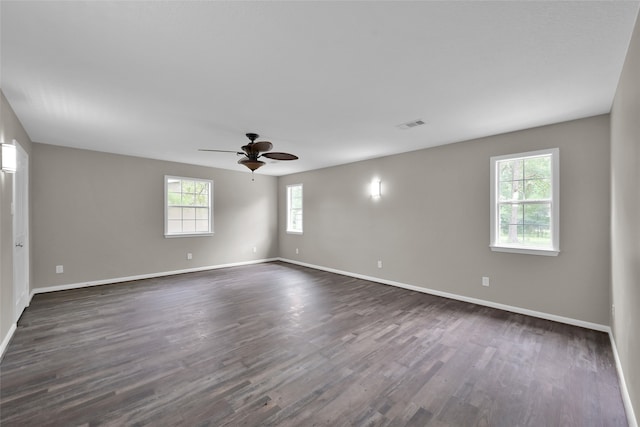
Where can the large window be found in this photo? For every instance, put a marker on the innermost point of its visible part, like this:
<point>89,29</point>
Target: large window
<point>524,202</point>
<point>294,208</point>
<point>188,206</point>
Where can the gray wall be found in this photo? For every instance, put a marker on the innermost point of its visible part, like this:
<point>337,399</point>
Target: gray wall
<point>430,228</point>
<point>101,216</point>
<point>625,218</point>
<point>10,129</point>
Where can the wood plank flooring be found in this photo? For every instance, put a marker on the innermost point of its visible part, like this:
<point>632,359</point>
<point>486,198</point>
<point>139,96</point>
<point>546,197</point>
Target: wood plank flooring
<point>281,345</point>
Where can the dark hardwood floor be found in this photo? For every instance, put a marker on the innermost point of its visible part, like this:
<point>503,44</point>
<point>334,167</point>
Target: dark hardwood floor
<point>277,344</point>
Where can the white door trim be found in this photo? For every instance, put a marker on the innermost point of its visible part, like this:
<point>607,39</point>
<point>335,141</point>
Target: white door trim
<point>20,233</point>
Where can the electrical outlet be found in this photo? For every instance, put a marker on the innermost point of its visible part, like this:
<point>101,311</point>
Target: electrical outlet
<point>189,255</point>
<point>59,269</point>
<point>485,281</point>
<point>613,310</point>
<point>255,249</point>
<point>379,264</point>
<point>297,251</point>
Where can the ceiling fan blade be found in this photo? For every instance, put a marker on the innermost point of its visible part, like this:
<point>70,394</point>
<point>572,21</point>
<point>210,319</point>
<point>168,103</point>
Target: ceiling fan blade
<point>261,146</point>
<point>220,151</point>
<point>280,156</point>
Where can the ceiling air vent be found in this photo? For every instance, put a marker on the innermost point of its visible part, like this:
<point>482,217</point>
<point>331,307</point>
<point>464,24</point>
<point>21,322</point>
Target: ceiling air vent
<point>411,124</point>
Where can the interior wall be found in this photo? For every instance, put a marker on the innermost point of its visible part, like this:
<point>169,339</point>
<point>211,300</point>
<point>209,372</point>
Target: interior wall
<point>430,227</point>
<point>10,129</point>
<point>625,218</point>
<point>101,216</point>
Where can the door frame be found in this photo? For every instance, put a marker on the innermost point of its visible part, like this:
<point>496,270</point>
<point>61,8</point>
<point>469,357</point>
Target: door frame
<point>20,299</point>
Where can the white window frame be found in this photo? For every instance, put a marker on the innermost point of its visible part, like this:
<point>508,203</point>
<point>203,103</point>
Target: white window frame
<point>555,204</point>
<point>167,234</point>
<point>290,230</point>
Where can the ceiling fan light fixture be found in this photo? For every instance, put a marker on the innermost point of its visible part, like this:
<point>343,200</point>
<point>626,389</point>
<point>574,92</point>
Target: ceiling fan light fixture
<point>251,164</point>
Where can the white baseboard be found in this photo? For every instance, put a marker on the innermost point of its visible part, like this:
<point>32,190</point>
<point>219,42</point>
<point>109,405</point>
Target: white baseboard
<point>513,309</point>
<point>626,399</point>
<point>142,276</point>
<point>6,339</point>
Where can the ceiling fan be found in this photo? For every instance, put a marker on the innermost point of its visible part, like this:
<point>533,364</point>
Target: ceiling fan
<point>253,151</point>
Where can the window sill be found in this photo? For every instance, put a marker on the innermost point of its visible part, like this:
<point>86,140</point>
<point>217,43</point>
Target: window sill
<point>294,232</point>
<point>171,236</point>
<point>526,251</point>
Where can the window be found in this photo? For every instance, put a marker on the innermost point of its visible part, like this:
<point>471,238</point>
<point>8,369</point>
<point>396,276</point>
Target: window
<point>294,208</point>
<point>524,203</point>
<point>188,206</point>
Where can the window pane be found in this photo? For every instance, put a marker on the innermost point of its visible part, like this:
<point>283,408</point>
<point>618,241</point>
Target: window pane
<point>188,186</point>
<point>202,213</point>
<point>510,223</point>
<point>188,213</point>
<point>505,169</point>
<point>536,236</point>
<point>173,185</point>
<point>537,224</point>
<point>202,200</point>
<point>537,213</point>
<point>296,220</point>
<point>174,213</point>
<point>188,199</point>
<point>537,168</point>
<point>202,188</point>
<point>202,225</point>
<point>511,170</point>
<point>189,226</point>
<point>174,226</point>
<point>511,190</point>
<point>294,208</point>
<point>526,224</point>
<point>537,189</point>
<point>174,199</point>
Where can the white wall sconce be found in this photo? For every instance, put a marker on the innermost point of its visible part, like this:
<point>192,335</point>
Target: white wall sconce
<point>374,188</point>
<point>9,161</point>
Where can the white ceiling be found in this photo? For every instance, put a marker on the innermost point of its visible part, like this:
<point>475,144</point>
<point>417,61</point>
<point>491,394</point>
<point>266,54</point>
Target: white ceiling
<point>328,81</point>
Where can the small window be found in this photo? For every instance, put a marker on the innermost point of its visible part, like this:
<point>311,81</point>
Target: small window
<point>188,206</point>
<point>294,208</point>
<point>524,203</point>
